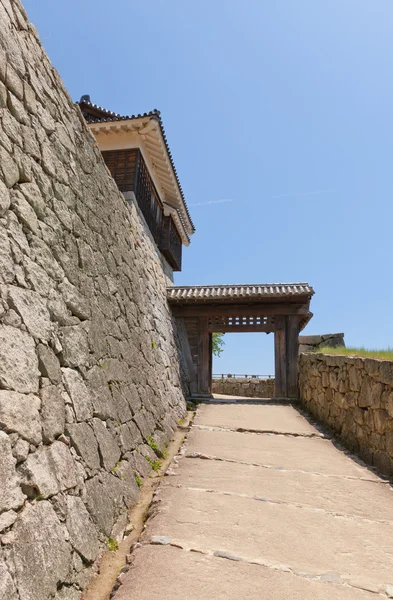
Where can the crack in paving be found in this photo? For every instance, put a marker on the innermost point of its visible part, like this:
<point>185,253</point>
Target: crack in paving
<point>202,456</point>
<point>329,577</point>
<point>262,431</point>
<point>284,503</point>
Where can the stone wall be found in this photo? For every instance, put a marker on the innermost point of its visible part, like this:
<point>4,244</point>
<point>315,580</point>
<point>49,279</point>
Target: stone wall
<point>354,397</point>
<point>89,370</point>
<point>311,343</point>
<point>249,387</point>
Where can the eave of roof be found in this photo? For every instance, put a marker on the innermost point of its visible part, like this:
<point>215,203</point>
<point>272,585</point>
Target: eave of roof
<point>106,116</point>
<point>238,292</point>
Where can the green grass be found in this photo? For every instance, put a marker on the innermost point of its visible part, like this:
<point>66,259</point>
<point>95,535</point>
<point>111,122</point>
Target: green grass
<point>138,480</point>
<point>155,465</point>
<point>112,545</point>
<point>386,354</point>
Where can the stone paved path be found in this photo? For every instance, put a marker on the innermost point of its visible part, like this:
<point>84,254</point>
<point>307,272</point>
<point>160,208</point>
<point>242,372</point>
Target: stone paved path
<point>262,506</point>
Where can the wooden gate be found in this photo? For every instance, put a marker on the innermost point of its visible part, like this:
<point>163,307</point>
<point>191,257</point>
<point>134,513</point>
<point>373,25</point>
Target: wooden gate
<point>282,309</point>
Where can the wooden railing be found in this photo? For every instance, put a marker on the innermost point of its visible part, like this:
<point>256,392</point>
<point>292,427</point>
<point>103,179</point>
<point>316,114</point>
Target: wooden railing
<point>171,244</point>
<point>241,376</point>
<point>148,199</point>
<point>130,172</point>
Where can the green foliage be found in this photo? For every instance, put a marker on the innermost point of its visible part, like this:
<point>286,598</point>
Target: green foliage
<point>154,345</point>
<point>112,545</point>
<point>218,343</point>
<point>154,446</point>
<point>385,354</point>
<point>155,465</point>
<point>138,480</point>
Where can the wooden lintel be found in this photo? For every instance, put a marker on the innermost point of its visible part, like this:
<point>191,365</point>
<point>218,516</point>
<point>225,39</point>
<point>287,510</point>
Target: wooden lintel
<point>241,329</point>
<point>239,310</point>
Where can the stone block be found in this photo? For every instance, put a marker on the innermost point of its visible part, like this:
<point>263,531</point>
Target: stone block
<point>75,301</point>
<point>7,587</point>
<point>83,534</point>
<point>5,199</point>
<point>75,351</point>
<point>7,268</point>
<point>107,445</point>
<point>20,413</point>
<point>52,412</point>
<point>354,378</point>
<point>32,308</point>
<point>7,519</point>
<point>68,593</point>
<point>310,340</point>
<point>126,474</point>
<point>18,361</point>
<point>11,495</point>
<point>48,364</point>
<point>21,450</point>
<point>386,372</point>
<point>41,556</point>
<point>370,393</point>
<point>79,394</point>
<point>104,496</point>
<point>85,443</point>
<point>9,168</point>
<point>305,348</point>
<point>48,471</point>
<point>372,367</point>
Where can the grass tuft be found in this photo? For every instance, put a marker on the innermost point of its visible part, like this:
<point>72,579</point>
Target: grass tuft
<point>155,465</point>
<point>386,354</point>
<point>112,545</point>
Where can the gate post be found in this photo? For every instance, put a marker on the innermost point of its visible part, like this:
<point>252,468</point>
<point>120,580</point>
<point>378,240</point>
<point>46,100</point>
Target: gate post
<point>292,351</point>
<point>204,358</point>
<point>280,355</point>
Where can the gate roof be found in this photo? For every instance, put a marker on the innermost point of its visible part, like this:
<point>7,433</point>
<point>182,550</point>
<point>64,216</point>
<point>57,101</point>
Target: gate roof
<point>240,293</point>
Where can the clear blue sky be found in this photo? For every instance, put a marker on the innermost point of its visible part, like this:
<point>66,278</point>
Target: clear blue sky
<point>282,108</point>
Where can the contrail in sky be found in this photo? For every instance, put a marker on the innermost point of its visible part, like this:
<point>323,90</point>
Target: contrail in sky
<point>315,193</point>
<point>224,200</point>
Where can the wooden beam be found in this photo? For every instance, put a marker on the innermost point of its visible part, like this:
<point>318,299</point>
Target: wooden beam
<point>280,356</point>
<point>292,355</point>
<point>241,329</point>
<point>203,357</point>
<point>239,310</point>
<point>210,362</point>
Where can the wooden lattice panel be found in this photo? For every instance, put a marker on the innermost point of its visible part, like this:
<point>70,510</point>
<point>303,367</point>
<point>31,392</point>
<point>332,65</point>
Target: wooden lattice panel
<point>242,323</point>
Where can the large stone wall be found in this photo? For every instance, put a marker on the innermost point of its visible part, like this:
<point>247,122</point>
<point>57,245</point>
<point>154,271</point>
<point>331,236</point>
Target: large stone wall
<point>248,387</point>
<point>89,371</point>
<point>354,397</point>
<point>311,343</point>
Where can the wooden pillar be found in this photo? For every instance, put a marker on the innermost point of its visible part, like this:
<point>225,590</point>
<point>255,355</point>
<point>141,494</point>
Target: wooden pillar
<point>292,345</point>
<point>203,357</point>
<point>280,355</point>
<point>210,362</point>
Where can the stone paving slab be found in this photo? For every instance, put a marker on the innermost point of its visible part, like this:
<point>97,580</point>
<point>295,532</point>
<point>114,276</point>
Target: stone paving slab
<point>309,541</point>
<point>167,573</point>
<point>354,497</point>
<point>319,525</point>
<point>284,419</point>
<point>300,454</point>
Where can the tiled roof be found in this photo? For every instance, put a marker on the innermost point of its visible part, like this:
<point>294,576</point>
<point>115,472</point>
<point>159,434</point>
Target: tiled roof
<point>213,293</point>
<point>106,116</point>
